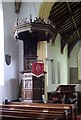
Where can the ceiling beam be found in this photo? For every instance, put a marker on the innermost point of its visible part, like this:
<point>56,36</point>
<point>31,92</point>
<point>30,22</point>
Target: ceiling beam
<point>57,12</point>
<point>61,20</point>
<point>60,23</point>
<point>55,7</point>
<point>73,19</point>
<point>65,40</point>
<point>64,34</point>
<point>66,37</point>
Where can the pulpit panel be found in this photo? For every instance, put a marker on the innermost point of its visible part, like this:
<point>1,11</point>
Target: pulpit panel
<point>32,88</point>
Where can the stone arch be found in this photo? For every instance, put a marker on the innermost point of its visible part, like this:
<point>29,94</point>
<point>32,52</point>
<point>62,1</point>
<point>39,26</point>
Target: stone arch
<point>44,12</point>
<point>45,8</point>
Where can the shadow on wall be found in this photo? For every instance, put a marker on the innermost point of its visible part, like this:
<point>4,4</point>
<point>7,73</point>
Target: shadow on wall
<point>74,76</point>
<point>12,89</point>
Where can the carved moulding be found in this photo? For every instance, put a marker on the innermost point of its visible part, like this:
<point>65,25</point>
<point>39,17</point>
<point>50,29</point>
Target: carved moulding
<point>38,26</point>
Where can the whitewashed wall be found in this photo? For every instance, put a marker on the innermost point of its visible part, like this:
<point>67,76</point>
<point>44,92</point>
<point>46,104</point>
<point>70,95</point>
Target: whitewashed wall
<point>14,49</point>
<point>28,8</point>
<point>59,65</point>
<point>10,88</point>
<point>1,51</point>
<point>20,58</point>
<point>73,59</point>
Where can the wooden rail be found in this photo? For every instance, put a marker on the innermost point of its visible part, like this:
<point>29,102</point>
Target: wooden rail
<point>36,111</point>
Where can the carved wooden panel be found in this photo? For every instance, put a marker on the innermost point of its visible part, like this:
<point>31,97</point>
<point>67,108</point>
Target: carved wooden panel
<point>32,87</point>
<point>27,94</point>
<point>27,84</point>
<point>28,62</point>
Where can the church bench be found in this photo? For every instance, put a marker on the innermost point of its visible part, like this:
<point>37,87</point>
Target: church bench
<point>36,111</point>
<point>70,107</point>
<point>31,114</point>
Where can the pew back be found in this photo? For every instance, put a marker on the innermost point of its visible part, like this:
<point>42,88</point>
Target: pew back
<point>36,111</point>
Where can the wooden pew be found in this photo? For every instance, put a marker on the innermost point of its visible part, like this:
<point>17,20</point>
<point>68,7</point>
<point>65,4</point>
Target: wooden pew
<point>34,111</point>
<point>70,107</point>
